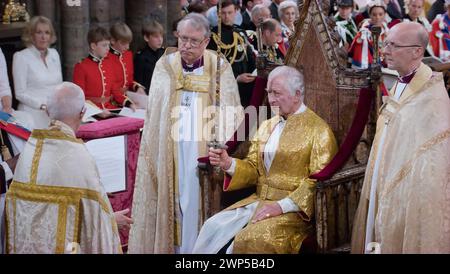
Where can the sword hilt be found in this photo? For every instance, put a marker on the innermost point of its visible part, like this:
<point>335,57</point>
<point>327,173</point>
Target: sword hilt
<point>216,145</point>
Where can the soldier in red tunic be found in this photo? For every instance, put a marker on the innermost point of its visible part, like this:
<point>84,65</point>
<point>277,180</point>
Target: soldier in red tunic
<point>95,75</point>
<point>121,58</point>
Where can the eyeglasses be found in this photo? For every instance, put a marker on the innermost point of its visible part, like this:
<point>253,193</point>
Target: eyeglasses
<point>391,45</point>
<point>193,42</point>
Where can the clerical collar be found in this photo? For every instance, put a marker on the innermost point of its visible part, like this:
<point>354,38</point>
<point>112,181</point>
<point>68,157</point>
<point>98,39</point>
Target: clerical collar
<point>114,51</point>
<point>94,58</point>
<point>407,78</point>
<point>189,68</point>
<point>301,109</point>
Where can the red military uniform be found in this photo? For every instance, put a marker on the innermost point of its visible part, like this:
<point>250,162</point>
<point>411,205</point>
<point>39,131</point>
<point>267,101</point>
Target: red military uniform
<point>122,65</point>
<point>95,77</point>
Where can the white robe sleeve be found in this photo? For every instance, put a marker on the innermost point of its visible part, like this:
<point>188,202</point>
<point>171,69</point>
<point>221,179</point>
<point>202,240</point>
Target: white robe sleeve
<point>5,89</point>
<point>23,92</point>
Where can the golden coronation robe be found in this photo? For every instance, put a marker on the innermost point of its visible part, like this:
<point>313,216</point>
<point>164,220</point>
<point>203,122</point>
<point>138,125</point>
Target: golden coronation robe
<point>56,203</point>
<point>405,200</point>
<point>166,203</point>
<point>306,145</point>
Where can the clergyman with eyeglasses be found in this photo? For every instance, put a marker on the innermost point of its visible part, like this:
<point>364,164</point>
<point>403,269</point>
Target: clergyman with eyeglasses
<point>405,198</point>
<point>166,203</point>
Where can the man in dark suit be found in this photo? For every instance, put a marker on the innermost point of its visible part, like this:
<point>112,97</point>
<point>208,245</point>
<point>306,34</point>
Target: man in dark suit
<point>248,5</point>
<point>436,8</point>
<point>396,9</point>
<point>274,9</point>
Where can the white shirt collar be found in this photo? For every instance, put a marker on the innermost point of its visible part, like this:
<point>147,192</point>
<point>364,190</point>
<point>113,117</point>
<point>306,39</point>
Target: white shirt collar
<point>36,52</point>
<point>249,13</point>
<point>301,109</point>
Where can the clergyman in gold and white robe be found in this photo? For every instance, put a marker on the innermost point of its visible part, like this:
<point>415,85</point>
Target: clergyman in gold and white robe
<point>56,202</point>
<point>405,200</point>
<point>166,203</point>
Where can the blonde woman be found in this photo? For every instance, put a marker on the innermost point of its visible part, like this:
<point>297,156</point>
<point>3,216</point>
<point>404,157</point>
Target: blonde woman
<point>36,70</point>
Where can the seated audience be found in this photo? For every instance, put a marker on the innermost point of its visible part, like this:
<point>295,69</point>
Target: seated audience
<point>90,74</point>
<point>145,60</point>
<point>36,70</point>
<point>361,50</point>
<point>121,59</point>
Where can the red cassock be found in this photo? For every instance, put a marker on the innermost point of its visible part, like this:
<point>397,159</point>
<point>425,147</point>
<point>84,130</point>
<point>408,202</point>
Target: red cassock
<point>96,78</point>
<point>123,68</point>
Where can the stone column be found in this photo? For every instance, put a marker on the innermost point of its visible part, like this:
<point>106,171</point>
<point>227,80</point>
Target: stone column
<point>100,13</point>
<point>174,10</point>
<point>116,11</point>
<point>74,29</point>
<point>46,8</point>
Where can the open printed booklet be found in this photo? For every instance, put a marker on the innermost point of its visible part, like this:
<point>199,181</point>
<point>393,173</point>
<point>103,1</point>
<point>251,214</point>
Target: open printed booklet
<point>110,156</point>
<point>91,111</point>
<point>140,100</point>
<point>128,112</point>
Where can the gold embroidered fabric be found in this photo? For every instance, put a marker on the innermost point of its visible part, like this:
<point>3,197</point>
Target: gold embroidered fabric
<point>306,145</point>
<point>56,203</point>
<point>230,50</point>
<point>413,190</point>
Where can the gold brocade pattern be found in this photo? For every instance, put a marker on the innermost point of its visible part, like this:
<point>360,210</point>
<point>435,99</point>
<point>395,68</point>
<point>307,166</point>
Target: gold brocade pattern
<point>36,159</point>
<point>406,169</point>
<point>58,205</point>
<point>61,196</point>
<point>195,83</point>
<point>412,184</point>
<point>230,50</point>
<point>306,145</point>
<point>61,230</point>
<point>53,193</point>
<point>55,135</point>
<point>283,234</point>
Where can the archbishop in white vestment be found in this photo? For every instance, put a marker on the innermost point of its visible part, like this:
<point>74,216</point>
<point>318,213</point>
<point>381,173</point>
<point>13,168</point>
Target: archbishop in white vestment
<point>166,203</point>
<point>56,203</point>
